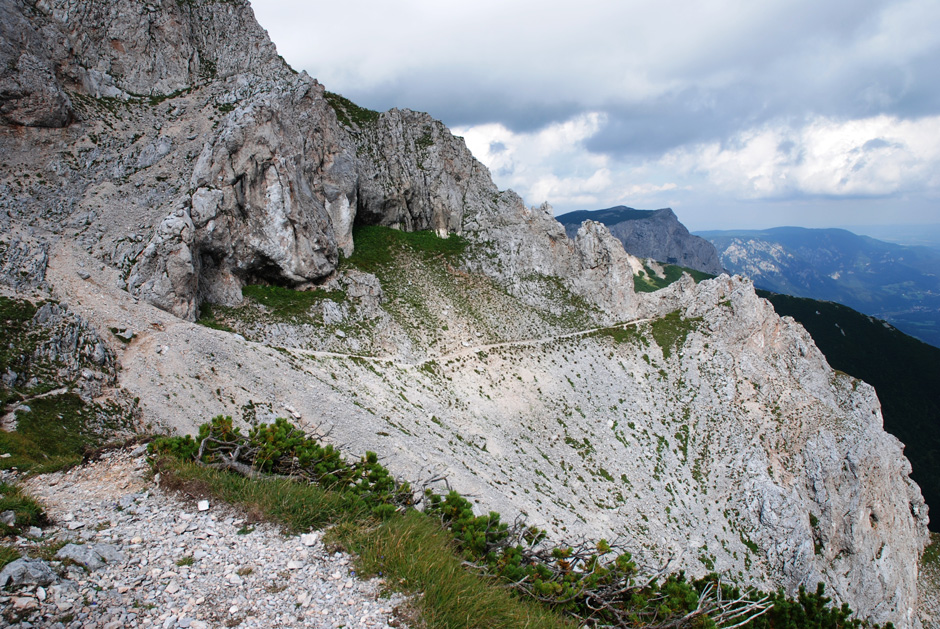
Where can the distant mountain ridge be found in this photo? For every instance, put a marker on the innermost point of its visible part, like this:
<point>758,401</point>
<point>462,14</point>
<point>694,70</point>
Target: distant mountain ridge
<point>656,234</point>
<point>897,283</point>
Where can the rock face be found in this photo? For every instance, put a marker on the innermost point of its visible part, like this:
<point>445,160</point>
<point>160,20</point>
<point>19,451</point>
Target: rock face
<point>30,93</point>
<point>656,234</point>
<point>181,166</point>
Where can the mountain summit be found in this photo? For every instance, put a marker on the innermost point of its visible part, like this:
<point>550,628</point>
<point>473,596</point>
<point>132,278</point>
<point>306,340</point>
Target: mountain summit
<point>655,234</point>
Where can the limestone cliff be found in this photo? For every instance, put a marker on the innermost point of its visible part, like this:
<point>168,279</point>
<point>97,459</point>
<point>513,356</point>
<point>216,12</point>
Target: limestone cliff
<point>179,164</point>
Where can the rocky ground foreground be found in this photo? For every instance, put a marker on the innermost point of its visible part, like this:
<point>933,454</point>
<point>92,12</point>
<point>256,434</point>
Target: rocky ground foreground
<point>129,554</point>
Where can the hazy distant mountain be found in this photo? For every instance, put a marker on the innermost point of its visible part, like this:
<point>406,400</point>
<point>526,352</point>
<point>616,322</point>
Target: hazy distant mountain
<point>924,235</point>
<point>656,234</point>
<point>894,282</point>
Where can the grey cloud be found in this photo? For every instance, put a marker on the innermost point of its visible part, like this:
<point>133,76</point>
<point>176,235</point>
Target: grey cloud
<point>666,75</point>
<point>879,143</point>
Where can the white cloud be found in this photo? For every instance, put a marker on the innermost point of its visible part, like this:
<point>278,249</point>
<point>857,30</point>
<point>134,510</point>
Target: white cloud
<point>549,164</point>
<point>869,157</point>
<point>552,164</point>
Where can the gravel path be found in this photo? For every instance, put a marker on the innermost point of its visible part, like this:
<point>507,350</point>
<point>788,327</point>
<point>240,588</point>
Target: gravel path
<point>177,566</point>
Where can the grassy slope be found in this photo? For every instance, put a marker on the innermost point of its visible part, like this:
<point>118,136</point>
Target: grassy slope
<point>904,371</point>
<point>52,430</point>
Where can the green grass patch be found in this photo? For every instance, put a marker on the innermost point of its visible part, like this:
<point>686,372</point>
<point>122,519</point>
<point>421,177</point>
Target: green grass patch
<point>8,554</point>
<point>672,330</point>
<point>298,507</point>
<point>349,113</point>
<point>286,303</point>
<point>931,556</point>
<point>416,552</point>
<point>208,317</point>
<point>28,511</point>
<point>620,334</point>
<point>649,282</point>
<point>376,247</point>
<point>19,342</point>
<point>56,432</point>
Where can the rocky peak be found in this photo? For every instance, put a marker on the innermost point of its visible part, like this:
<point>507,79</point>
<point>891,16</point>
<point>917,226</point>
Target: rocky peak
<point>655,234</point>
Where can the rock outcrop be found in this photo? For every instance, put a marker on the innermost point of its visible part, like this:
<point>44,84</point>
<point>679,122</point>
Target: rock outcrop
<point>655,234</point>
<point>181,166</point>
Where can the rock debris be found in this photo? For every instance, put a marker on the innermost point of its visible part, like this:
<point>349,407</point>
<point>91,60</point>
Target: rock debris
<point>143,557</point>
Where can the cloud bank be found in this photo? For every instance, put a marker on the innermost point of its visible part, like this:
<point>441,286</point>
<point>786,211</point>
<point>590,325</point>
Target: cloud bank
<point>707,105</point>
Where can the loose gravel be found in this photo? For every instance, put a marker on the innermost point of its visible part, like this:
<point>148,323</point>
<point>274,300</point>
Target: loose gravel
<point>169,564</point>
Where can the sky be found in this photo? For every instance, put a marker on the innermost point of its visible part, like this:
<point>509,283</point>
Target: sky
<point>735,113</point>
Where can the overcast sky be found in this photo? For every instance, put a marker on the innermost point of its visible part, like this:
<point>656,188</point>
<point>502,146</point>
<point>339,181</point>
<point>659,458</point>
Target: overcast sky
<point>734,113</point>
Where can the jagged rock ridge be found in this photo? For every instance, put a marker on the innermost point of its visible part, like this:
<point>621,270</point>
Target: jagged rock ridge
<point>709,430</point>
<point>655,234</point>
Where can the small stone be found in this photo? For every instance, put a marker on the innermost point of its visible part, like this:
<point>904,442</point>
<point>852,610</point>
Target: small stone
<point>234,579</point>
<point>294,565</point>
<point>173,587</point>
<point>23,603</point>
<point>203,505</point>
<point>137,540</point>
<point>309,539</point>
<point>75,525</point>
<point>92,556</point>
<point>34,531</point>
<point>83,274</point>
<point>26,572</point>
<point>8,518</point>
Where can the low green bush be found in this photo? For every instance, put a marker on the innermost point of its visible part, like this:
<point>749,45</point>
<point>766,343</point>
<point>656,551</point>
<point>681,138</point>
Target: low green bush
<point>592,584</point>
